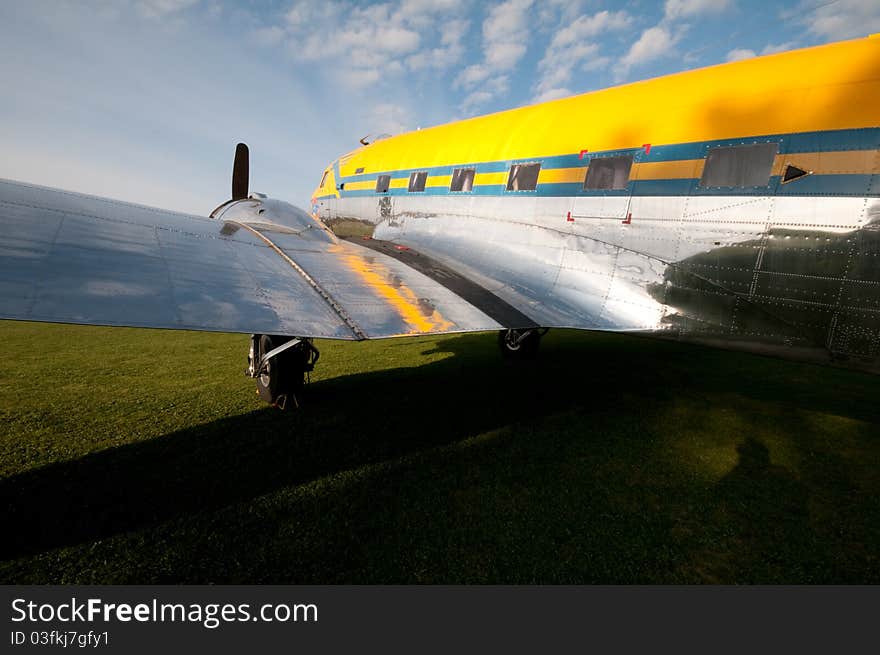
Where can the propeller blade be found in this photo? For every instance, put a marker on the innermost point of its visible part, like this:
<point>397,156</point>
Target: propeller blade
<point>240,172</point>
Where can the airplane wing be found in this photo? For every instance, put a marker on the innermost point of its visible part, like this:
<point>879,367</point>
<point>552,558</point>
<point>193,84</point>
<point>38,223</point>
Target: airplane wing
<point>260,266</point>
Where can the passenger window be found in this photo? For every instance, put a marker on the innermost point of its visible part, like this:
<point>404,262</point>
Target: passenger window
<point>739,166</point>
<point>608,173</point>
<point>382,183</point>
<point>523,177</point>
<point>417,181</point>
<point>462,179</point>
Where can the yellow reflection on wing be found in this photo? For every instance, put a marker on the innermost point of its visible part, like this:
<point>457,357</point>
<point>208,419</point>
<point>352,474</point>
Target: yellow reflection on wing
<point>418,313</point>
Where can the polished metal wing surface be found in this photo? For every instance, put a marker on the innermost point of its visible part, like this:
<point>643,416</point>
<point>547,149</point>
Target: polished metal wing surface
<point>258,266</point>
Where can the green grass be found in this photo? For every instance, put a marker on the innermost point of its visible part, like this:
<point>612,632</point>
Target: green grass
<point>134,456</point>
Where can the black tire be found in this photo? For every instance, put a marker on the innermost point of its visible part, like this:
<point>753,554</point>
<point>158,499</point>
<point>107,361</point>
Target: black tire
<point>525,348</point>
<point>284,375</point>
<point>270,381</point>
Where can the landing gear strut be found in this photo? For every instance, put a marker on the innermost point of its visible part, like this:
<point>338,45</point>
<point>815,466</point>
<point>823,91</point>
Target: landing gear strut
<point>520,344</point>
<point>280,365</point>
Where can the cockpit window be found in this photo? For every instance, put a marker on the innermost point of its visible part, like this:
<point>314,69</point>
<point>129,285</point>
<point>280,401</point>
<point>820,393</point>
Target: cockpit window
<point>323,179</point>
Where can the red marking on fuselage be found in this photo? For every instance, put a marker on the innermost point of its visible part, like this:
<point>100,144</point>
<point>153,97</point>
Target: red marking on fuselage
<point>628,220</point>
<point>569,218</point>
<point>647,147</point>
<point>582,153</point>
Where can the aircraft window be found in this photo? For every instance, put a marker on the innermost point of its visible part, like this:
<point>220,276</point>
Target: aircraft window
<point>462,179</point>
<point>359,170</point>
<point>382,183</point>
<point>417,181</point>
<point>608,172</point>
<point>523,177</point>
<point>739,166</point>
<point>323,179</point>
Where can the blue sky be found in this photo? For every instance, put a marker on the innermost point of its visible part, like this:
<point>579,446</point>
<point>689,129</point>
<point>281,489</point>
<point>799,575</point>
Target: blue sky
<point>144,100</point>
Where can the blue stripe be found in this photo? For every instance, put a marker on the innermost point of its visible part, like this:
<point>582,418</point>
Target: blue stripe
<point>863,139</point>
<point>819,185</point>
<point>829,185</point>
<point>829,141</point>
<point>832,140</point>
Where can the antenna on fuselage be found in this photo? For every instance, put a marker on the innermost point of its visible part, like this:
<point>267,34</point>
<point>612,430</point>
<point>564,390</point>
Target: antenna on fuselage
<point>240,172</point>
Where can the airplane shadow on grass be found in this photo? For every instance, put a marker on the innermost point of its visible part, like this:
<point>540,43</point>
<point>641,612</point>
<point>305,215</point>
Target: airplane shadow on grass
<point>369,418</point>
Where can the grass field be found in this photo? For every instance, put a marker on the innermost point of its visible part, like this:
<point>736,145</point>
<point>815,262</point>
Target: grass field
<point>136,456</point>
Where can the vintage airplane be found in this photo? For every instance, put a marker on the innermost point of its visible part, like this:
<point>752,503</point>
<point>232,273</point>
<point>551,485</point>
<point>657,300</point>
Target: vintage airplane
<point>736,205</point>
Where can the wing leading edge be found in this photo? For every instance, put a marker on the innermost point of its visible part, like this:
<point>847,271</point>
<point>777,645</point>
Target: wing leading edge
<point>260,266</point>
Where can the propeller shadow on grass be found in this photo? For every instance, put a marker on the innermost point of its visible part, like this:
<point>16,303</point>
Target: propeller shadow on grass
<point>354,421</point>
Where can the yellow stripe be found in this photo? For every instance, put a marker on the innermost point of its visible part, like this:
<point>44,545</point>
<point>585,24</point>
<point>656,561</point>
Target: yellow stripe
<point>438,181</point>
<point>481,179</point>
<point>562,175</point>
<point>359,186</point>
<point>668,170</point>
<point>864,162</point>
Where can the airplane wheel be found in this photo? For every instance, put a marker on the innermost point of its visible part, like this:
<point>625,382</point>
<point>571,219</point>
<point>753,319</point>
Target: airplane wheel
<point>270,381</point>
<point>519,345</point>
<point>284,375</point>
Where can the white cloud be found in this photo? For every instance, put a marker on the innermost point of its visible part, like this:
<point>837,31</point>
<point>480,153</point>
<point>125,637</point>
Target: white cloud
<point>162,8</point>
<point>421,14</point>
<point>448,53</point>
<point>388,118</point>
<point>844,19</point>
<point>312,12</point>
<point>268,36</point>
<point>504,55</point>
<point>475,99</point>
<point>357,78</point>
<point>506,32</point>
<point>738,54</point>
<point>557,64</point>
<point>659,41</point>
<point>586,27</point>
<point>675,9</point>
<point>654,43</point>
<point>596,63</point>
<point>375,41</point>
<point>771,49</point>
<point>551,12</point>
<point>571,47</point>
<point>472,75</point>
<point>552,94</point>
